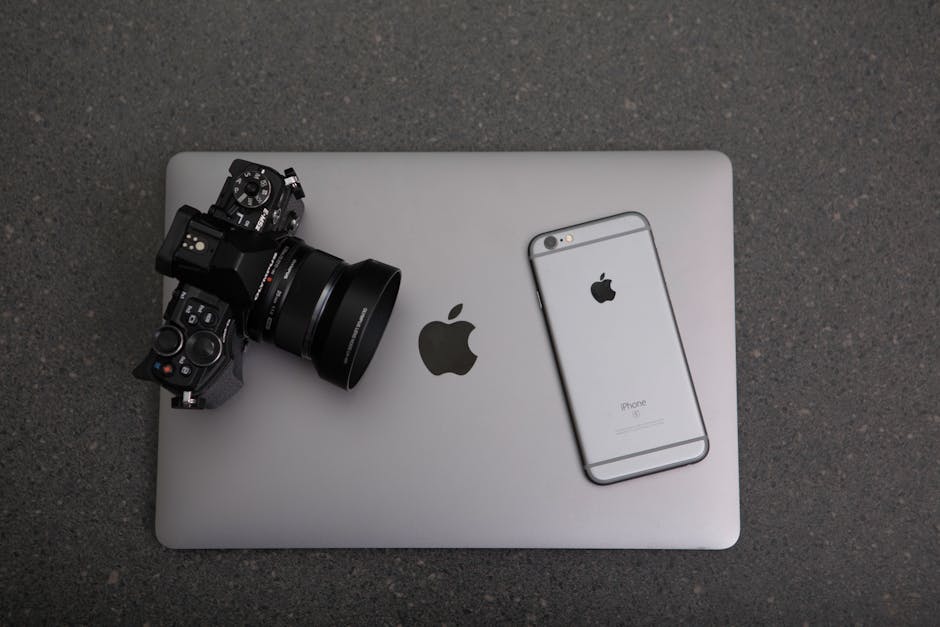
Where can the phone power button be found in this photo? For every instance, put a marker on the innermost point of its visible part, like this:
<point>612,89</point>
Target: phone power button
<point>538,297</point>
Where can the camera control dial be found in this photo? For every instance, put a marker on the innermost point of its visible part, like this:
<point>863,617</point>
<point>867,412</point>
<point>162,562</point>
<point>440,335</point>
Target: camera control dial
<point>203,348</point>
<point>167,341</point>
<point>251,189</point>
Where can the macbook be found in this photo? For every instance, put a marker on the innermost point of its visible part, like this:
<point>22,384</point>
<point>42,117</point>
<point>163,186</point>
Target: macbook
<point>458,434</point>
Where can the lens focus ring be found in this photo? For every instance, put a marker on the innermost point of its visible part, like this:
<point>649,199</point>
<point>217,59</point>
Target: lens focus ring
<point>302,305</point>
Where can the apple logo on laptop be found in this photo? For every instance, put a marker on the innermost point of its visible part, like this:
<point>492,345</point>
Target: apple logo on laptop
<point>601,290</point>
<point>445,347</point>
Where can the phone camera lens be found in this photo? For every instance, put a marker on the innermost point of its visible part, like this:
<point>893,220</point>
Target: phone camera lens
<point>550,242</point>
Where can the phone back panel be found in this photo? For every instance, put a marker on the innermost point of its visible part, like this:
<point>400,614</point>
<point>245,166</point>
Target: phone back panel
<point>615,339</point>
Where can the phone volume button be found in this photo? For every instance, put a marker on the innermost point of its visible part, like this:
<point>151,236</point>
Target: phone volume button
<point>538,298</point>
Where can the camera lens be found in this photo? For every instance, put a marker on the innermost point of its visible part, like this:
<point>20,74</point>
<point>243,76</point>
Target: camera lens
<point>320,307</point>
<point>550,242</point>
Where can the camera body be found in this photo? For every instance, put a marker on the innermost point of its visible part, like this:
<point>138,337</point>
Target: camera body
<point>242,275</point>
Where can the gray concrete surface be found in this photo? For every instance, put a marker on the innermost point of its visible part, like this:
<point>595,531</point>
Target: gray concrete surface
<point>830,115</point>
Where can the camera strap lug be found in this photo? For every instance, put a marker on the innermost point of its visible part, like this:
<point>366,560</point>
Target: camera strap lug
<point>187,400</point>
<point>292,181</point>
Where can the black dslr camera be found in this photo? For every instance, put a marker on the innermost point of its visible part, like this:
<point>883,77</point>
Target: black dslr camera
<point>244,276</point>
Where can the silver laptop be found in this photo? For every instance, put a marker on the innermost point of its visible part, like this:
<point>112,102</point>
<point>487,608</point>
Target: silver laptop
<point>488,458</point>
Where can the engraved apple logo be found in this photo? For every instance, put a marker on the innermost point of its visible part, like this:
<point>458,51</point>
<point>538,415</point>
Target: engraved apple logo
<point>445,347</point>
<point>601,290</point>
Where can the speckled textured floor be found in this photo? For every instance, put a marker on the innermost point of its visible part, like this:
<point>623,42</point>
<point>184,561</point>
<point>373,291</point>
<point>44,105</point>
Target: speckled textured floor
<point>829,114</point>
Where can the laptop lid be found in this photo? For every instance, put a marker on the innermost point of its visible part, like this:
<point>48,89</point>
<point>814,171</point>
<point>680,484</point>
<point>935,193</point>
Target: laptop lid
<point>483,459</point>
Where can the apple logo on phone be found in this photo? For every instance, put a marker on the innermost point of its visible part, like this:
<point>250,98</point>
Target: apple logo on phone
<point>601,290</point>
<point>446,347</point>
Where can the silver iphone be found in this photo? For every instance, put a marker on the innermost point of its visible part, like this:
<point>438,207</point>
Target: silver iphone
<point>617,348</point>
